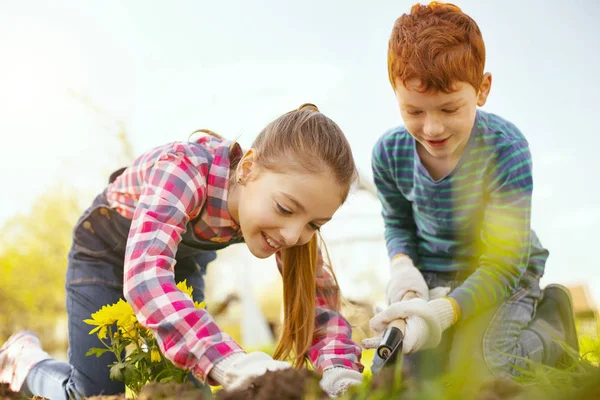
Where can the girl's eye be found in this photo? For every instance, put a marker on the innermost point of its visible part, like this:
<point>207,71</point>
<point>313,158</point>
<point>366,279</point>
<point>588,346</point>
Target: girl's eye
<point>414,113</point>
<point>282,210</point>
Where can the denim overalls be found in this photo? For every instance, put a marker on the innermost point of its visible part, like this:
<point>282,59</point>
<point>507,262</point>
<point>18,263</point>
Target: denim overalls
<point>493,343</point>
<point>94,279</point>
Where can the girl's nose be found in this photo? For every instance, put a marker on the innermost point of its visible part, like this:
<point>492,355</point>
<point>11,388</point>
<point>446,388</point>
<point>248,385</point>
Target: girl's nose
<point>292,233</point>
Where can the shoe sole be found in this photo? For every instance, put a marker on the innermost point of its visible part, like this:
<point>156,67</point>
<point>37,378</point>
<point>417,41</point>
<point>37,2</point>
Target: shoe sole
<point>17,336</point>
<point>570,329</point>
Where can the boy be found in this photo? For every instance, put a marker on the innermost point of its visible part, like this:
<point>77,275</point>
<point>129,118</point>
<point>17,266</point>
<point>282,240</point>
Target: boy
<point>455,185</point>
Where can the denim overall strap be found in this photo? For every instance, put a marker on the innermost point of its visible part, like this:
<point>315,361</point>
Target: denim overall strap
<point>190,243</point>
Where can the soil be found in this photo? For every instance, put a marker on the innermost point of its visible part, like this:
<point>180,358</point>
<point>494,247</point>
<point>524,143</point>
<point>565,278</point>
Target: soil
<point>288,384</point>
<point>153,391</point>
<point>500,389</point>
<point>7,394</point>
<point>170,391</point>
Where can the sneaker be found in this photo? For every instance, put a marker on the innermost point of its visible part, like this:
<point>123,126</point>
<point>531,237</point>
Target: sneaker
<point>21,352</point>
<point>555,317</point>
<point>562,296</point>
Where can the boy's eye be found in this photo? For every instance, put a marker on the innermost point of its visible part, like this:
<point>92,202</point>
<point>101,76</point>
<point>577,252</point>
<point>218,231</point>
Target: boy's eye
<point>282,210</point>
<point>315,227</point>
<point>450,110</point>
<point>414,113</point>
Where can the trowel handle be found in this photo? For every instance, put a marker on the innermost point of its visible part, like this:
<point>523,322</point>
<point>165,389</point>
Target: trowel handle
<point>394,334</point>
<point>398,323</point>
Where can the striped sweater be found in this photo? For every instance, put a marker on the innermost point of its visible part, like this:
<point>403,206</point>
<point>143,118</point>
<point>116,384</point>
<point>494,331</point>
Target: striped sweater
<point>476,218</point>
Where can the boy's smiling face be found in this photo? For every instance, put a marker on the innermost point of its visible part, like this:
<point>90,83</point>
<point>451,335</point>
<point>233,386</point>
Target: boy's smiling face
<point>441,123</point>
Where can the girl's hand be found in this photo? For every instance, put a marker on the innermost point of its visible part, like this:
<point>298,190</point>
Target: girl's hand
<point>337,380</point>
<point>237,371</point>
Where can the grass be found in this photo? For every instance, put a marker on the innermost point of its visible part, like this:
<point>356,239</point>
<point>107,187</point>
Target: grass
<point>577,380</point>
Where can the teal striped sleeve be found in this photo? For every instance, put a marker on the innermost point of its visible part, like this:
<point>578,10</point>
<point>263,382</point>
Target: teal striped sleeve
<point>400,229</point>
<point>505,234</point>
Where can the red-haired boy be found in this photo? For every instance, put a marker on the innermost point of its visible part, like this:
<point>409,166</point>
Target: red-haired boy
<point>455,185</point>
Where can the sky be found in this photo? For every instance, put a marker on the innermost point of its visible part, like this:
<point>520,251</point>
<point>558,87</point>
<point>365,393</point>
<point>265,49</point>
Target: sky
<point>70,70</point>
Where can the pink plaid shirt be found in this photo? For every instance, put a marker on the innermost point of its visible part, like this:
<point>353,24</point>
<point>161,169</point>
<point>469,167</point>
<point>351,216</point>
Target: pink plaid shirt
<point>161,192</point>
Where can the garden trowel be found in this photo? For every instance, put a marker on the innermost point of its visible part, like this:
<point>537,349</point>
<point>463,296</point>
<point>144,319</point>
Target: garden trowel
<point>390,348</point>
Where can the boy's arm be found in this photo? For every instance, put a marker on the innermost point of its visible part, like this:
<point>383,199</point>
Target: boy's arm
<point>505,233</point>
<point>400,229</point>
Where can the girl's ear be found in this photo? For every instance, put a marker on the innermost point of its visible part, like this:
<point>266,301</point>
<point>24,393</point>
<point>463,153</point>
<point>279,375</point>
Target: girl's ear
<point>247,168</point>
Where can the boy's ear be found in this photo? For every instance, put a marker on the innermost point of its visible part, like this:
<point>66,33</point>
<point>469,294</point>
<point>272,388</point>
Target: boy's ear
<point>247,168</point>
<point>484,89</point>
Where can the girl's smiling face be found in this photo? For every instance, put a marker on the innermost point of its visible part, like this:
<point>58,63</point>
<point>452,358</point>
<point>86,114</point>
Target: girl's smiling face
<point>276,210</point>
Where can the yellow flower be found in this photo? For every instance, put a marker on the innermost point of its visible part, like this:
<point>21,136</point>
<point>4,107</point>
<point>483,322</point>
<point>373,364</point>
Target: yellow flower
<point>101,319</point>
<point>189,291</point>
<point>155,355</point>
<point>185,288</point>
<point>119,313</point>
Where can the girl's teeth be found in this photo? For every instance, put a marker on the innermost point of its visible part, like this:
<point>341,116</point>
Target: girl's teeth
<point>271,243</point>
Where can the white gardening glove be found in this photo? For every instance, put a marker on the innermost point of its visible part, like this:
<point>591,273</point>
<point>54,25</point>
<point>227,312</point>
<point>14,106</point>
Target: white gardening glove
<point>438,292</point>
<point>337,380</point>
<point>425,321</point>
<point>405,277</point>
<point>416,330</point>
<point>237,371</point>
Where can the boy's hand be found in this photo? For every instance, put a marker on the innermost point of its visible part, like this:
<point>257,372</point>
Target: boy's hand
<point>405,277</point>
<point>416,335</point>
<point>425,322</point>
<point>417,331</point>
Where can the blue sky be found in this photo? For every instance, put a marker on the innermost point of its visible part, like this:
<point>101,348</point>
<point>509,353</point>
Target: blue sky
<point>232,66</point>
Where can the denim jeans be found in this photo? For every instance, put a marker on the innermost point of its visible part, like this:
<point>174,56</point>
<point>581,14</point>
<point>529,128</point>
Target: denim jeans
<point>94,279</point>
<point>493,343</point>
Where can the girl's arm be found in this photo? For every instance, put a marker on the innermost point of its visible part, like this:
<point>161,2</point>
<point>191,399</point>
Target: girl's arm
<point>174,189</point>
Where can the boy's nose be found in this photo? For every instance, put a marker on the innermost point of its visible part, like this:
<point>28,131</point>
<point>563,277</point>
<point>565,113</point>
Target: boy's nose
<point>433,127</point>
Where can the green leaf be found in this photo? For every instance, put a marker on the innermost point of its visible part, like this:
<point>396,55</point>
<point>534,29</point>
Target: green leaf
<point>131,374</point>
<point>116,371</point>
<point>96,351</point>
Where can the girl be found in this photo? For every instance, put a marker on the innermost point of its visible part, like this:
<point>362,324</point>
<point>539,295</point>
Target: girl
<point>161,219</point>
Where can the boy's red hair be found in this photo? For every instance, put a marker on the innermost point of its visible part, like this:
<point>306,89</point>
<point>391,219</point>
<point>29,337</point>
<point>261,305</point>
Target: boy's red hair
<point>438,44</point>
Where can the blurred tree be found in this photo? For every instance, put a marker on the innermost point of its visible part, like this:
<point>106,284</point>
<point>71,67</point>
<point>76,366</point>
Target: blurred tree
<point>33,260</point>
<point>34,247</point>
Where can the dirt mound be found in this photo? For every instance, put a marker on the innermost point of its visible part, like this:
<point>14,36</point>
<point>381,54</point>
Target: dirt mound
<point>114,397</point>
<point>152,391</point>
<point>7,394</point>
<point>499,389</point>
<point>288,384</point>
<point>170,391</point>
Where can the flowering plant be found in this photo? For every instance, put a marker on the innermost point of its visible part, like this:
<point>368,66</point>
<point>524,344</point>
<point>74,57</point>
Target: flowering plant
<point>118,329</point>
